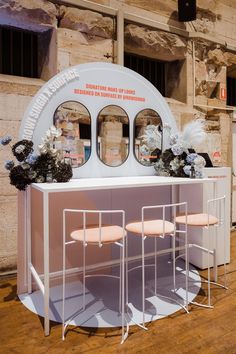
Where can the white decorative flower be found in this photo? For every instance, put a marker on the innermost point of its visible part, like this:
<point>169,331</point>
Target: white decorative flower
<point>152,137</point>
<point>176,163</point>
<point>173,139</point>
<point>55,132</point>
<point>193,133</point>
<point>198,172</point>
<point>54,152</point>
<point>42,148</point>
<point>48,135</point>
<point>52,133</point>
<point>144,150</point>
<point>199,161</point>
<point>19,149</point>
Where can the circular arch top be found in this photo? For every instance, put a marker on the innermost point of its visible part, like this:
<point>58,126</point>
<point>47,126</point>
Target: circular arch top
<point>95,86</point>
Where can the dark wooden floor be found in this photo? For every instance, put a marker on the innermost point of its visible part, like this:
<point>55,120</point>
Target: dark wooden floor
<point>202,331</point>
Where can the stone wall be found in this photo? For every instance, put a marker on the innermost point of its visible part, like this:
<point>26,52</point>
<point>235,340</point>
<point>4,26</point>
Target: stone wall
<point>198,53</point>
<point>15,95</point>
<point>154,44</point>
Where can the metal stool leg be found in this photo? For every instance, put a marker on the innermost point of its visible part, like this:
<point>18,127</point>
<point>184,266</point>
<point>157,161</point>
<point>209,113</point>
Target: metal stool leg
<point>143,281</point>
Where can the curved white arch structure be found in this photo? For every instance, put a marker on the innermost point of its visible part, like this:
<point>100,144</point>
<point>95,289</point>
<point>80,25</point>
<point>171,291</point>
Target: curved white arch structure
<point>96,85</point>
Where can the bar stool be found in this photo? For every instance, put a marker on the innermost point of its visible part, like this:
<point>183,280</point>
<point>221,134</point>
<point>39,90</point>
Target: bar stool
<point>97,235</point>
<point>214,217</point>
<point>160,228</point>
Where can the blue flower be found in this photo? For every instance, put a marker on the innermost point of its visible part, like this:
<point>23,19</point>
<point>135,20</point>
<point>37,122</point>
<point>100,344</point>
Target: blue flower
<point>9,164</point>
<point>5,140</point>
<point>187,169</point>
<point>31,158</point>
<point>191,157</point>
<point>177,149</point>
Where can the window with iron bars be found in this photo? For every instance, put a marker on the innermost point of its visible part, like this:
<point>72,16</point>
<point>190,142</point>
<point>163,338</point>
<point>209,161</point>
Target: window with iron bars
<point>153,70</point>
<point>18,52</point>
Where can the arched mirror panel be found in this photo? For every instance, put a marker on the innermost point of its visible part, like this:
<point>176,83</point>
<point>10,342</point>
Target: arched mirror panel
<point>75,141</point>
<point>112,135</point>
<point>147,137</point>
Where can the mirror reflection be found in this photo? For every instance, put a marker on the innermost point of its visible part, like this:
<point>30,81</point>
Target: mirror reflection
<point>75,142</point>
<point>148,136</point>
<point>113,135</point>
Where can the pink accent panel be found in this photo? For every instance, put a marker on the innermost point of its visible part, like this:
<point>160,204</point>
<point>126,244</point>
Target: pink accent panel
<point>131,200</point>
<point>80,200</point>
<point>37,229</point>
<point>57,202</point>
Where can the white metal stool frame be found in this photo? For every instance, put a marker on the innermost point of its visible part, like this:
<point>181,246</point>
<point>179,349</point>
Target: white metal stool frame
<point>174,207</point>
<point>217,205</point>
<point>121,277</point>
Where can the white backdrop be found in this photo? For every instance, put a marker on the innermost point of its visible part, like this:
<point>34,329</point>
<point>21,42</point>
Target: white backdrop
<point>96,85</point>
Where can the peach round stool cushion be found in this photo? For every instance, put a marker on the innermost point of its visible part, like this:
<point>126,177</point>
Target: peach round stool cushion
<point>197,219</point>
<point>109,234</point>
<point>151,227</point>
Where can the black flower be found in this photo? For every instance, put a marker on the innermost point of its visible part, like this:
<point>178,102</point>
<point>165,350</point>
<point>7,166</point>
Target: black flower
<point>171,165</point>
<point>167,156</point>
<point>63,172</point>
<point>19,177</point>
<point>22,149</point>
<point>43,162</point>
<point>48,166</point>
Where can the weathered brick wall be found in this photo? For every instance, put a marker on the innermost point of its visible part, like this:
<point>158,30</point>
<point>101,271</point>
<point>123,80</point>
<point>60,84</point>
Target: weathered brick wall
<point>82,35</point>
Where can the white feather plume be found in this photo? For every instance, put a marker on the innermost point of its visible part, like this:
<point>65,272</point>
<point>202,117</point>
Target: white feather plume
<point>194,133</point>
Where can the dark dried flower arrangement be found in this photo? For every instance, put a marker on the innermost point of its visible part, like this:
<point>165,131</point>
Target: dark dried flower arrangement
<point>48,166</point>
<point>177,160</point>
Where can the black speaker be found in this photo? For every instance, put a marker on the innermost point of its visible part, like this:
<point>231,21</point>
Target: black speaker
<point>187,10</point>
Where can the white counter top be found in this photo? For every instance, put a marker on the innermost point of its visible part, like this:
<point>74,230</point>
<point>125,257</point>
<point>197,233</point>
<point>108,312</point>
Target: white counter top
<point>84,184</point>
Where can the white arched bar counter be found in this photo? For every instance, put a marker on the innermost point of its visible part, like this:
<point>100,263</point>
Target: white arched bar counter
<point>40,218</point>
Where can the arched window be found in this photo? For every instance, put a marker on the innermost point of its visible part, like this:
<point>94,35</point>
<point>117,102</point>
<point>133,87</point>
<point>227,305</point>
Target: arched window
<point>147,136</point>
<point>75,142</point>
<point>112,135</point>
